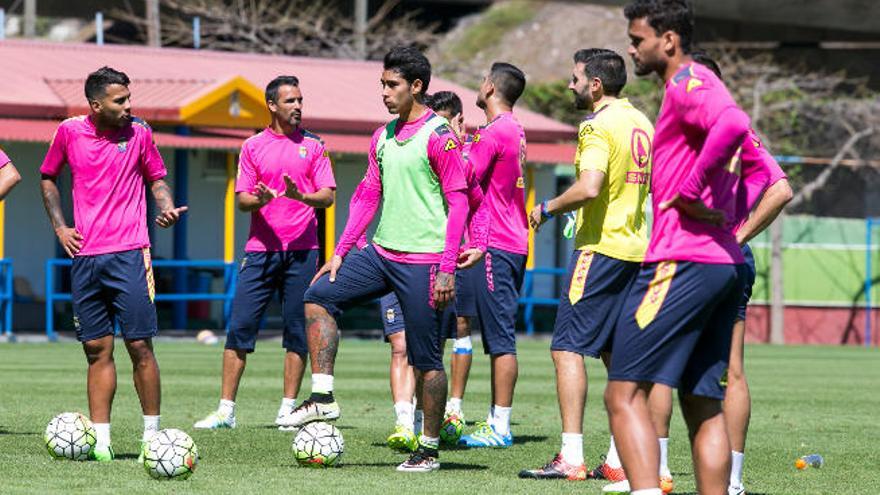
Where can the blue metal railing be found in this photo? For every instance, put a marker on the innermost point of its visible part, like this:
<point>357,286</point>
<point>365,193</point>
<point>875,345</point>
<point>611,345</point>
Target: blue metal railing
<point>7,296</point>
<point>528,300</point>
<point>229,278</point>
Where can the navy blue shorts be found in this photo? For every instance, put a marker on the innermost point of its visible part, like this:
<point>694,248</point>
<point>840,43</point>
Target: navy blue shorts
<point>365,275</point>
<point>465,302</point>
<point>676,326</point>
<point>261,275</point>
<point>114,286</point>
<point>394,322</point>
<point>392,315</point>
<point>597,287</point>
<point>750,282</point>
<point>495,285</point>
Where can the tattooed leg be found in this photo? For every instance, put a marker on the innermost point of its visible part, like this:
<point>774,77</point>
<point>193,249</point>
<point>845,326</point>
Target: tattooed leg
<point>323,337</point>
<point>433,399</point>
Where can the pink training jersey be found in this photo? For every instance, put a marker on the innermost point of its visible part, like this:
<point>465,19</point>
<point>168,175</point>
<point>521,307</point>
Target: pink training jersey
<point>3,159</point>
<point>284,224</point>
<point>449,168</point>
<point>109,170</point>
<point>759,171</point>
<point>698,131</point>
<point>498,155</point>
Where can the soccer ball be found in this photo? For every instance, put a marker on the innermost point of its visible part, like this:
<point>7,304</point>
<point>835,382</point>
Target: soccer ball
<point>318,445</point>
<point>70,436</point>
<point>170,454</point>
<point>451,429</point>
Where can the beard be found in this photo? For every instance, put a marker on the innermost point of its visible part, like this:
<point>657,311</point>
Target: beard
<point>582,102</point>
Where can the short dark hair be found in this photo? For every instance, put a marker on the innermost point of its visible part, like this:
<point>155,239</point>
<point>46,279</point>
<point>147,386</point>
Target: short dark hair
<point>508,80</point>
<point>411,64</point>
<point>444,100</point>
<point>703,58</point>
<point>665,15</point>
<point>605,64</point>
<point>274,84</point>
<point>97,82</point>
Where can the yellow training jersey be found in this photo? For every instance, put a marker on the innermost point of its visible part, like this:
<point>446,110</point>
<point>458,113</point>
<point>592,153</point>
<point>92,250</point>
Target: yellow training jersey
<point>615,139</point>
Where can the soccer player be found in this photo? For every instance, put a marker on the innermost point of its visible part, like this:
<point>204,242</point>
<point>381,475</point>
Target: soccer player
<point>9,176</point>
<point>613,167</point>
<point>415,170</point>
<point>284,173</point>
<point>677,322</point>
<point>409,416</point>
<point>112,158</point>
<point>448,105</point>
<point>498,155</point>
<point>764,193</point>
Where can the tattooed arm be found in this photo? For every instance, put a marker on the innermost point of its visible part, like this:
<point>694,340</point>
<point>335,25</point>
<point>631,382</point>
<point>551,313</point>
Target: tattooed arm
<point>70,239</point>
<point>168,214</point>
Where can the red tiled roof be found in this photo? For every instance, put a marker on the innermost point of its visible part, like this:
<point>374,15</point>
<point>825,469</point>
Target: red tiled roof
<point>44,80</point>
<point>41,131</point>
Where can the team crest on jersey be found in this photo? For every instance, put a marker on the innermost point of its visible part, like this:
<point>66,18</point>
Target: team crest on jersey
<point>520,183</point>
<point>640,144</point>
<point>586,129</point>
<point>303,151</point>
<point>122,145</point>
<point>450,145</point>
<point>692,84</point>
<point>389,315</point>
<point>656,293</point>
<point>476,138</point>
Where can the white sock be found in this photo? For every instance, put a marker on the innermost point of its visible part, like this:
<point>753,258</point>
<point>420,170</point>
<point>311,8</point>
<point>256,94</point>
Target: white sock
<point>287,405</point>
<point>151,426</point>
<point>736,468</point>
<point>226,407</point>
<point>664,444</point>
<point>490,417</point>
<point>611,458</point>
<point>501,419</point>
<point>647,491</point>
<point>454,405</point>
<point>322,384</point>
<point>418,421</point>
<point>573,448</point>
<point>404,412</point>
<point>102,435</point>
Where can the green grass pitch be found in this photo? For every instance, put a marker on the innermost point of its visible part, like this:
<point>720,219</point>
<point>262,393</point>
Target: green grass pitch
<point>806,400</point>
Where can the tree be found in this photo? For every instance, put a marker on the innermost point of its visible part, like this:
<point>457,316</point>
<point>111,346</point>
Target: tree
<point>294,27</point>
<point>805,113</point>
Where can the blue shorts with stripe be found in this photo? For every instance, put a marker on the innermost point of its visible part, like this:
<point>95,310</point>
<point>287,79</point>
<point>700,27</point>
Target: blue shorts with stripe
<point>263,274</point>
<point>495,284</point>
<point>114,286</point>
<point>588,310</point>
<point>365,275</point>
<point>751,272</point>
<point>676,326</point>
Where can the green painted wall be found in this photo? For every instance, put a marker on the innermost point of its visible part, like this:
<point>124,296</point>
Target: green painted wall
<point>824,262</point>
